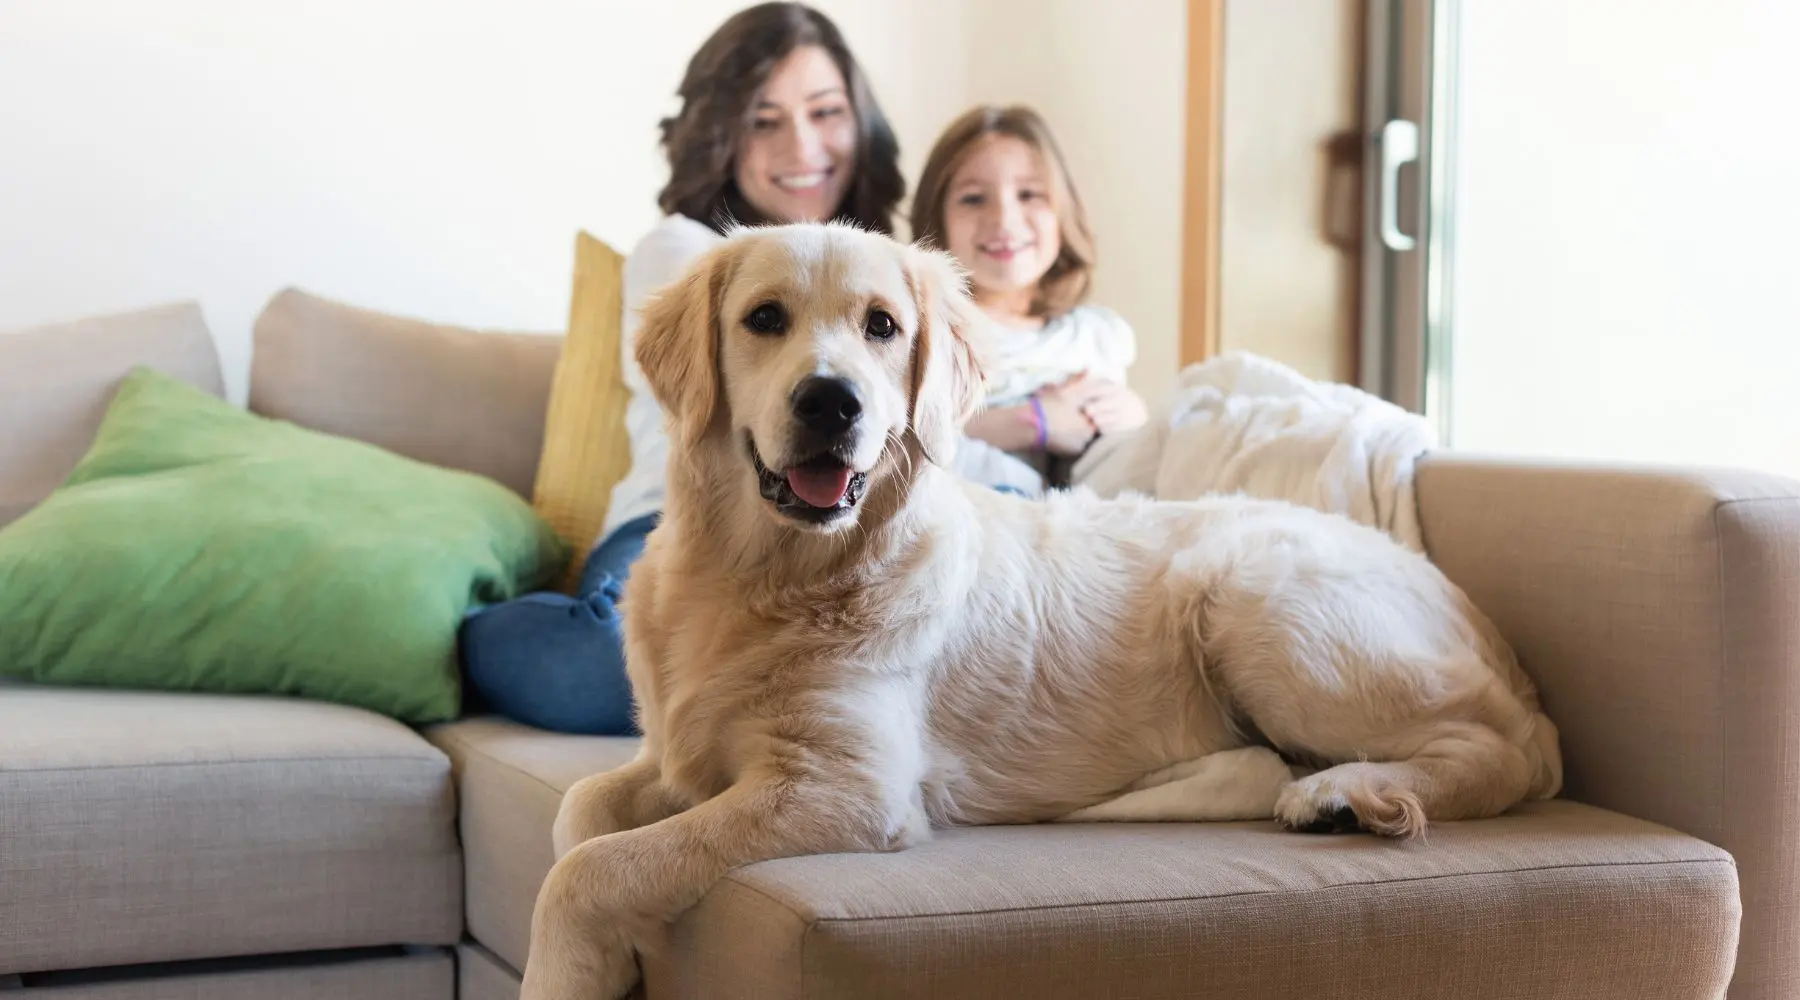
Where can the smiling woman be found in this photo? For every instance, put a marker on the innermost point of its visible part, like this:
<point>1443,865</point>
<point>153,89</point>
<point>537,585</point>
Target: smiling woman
<point>798,157</point>
<point>777,124</point>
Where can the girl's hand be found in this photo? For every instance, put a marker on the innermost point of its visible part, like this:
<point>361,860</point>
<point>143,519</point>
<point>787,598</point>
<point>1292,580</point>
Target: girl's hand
<point>1075,413</point>
<point>1115,409</point>
<point>1070,430</point>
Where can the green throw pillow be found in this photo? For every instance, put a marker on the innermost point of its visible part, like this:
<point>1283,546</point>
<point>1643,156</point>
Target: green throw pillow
<point>200,547</point>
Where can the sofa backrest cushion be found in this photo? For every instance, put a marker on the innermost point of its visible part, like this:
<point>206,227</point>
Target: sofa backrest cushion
<point>453,396</point>
<point>57,379</point>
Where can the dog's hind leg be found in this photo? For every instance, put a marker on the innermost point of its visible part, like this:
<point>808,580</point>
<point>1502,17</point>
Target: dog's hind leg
<point>1460,770</point>
<point>1397,749</point>
<point>1241,784</point>
<point>1405,734</point>
<point>1349,653</point>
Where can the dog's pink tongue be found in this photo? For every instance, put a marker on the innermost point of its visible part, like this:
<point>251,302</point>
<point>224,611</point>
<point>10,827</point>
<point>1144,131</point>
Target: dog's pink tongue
<point>820,487</point>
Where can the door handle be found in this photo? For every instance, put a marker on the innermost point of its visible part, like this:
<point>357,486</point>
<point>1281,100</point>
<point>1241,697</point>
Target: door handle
<point>1399,146</point>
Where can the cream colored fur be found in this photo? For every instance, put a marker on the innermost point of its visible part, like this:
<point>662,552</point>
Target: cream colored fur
<point>952,655</point>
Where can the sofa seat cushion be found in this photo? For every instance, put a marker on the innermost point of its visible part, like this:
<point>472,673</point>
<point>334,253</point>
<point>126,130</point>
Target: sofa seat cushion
<point>510,780</point>
<point>1554,900</point>
<point>154,827</point>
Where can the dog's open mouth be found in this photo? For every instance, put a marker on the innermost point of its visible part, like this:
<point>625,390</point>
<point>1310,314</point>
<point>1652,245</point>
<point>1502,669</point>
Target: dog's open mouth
<point>819,489</point>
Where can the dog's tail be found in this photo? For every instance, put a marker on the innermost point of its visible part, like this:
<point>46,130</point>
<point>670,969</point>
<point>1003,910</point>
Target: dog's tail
<point>1543,749</point>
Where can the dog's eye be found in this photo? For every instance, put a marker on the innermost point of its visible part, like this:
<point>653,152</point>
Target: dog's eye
<point>767,318</point>
<point>881,326</point>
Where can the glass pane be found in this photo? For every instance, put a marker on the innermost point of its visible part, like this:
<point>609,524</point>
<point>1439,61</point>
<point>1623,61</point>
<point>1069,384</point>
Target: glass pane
<point>1627,231</point>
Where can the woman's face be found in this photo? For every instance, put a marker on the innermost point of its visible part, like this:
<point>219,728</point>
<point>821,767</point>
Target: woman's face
<point>800,150</point>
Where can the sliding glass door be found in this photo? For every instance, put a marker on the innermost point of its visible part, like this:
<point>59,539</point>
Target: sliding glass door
<point>1579,226</point>
<point>1409,117</point>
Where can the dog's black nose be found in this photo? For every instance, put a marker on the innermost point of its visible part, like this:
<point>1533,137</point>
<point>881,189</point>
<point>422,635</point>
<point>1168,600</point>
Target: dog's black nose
<point>826,405</point>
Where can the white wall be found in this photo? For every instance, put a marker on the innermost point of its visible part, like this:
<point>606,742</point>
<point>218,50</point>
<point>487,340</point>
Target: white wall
<point>1628,231</point>
<point>419,156</point>
<point>435,158</point>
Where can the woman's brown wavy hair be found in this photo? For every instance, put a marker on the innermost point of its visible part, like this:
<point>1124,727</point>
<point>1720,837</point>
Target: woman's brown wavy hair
<point>722,80</point>
<point>1066,284</point>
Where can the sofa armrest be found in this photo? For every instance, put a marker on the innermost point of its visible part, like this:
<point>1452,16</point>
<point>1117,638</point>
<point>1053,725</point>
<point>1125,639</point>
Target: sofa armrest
<point>1658,609</point>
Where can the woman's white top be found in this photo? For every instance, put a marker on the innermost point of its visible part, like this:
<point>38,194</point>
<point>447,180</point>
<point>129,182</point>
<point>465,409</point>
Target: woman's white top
<point>658,259</point>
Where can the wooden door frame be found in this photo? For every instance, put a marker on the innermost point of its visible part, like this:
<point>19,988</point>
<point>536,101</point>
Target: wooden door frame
<point>1204,176</point>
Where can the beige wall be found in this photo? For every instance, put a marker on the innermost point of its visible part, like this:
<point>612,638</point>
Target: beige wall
<point>1110,78</point>
<point>1291,85</point>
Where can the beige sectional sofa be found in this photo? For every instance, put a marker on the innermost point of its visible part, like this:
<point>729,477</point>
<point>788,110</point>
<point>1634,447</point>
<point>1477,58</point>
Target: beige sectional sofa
<point>164,845</point>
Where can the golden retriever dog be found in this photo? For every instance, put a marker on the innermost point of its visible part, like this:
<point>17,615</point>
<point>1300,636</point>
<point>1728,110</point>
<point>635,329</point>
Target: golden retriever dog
<point>837,645</point>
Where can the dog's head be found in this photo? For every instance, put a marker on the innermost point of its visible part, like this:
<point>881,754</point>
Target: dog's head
<point>816,360</point>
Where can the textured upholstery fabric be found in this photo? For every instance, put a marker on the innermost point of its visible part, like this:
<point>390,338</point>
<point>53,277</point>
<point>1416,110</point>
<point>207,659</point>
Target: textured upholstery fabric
<point>482,976</point>
<point>510,780</point>
<point>56,381</point>
<point>144,827</point>
<point>1560,900</point>
<point>452,396</point>
<point>1659,611</point>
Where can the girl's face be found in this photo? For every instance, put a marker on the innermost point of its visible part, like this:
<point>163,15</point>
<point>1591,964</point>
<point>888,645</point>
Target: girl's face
<point>998,220</point>
<point>799,150</point>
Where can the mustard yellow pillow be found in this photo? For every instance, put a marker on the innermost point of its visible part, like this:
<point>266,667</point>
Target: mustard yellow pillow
<point>586,450</point>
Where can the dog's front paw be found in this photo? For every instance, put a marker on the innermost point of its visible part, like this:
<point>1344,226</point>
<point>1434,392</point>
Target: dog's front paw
<point>615,970</point>
<point>602,970</point>
<point>580,945</point>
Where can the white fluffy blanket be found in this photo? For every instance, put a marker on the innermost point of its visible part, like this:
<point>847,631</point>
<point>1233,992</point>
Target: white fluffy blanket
<point>1244,423</point>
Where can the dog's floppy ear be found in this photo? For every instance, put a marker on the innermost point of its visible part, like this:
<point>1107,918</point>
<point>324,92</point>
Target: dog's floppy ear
<point>677,345</point>
<point>948,376</point>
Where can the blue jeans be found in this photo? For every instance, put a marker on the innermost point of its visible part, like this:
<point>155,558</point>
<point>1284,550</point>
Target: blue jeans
<point>558,662</point>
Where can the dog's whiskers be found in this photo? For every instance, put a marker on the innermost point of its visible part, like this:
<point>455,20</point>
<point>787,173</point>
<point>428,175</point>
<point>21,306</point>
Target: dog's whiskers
<point>899,445</point>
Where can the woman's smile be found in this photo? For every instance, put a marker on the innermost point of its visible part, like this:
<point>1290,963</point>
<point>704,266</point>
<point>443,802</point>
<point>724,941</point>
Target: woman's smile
<point>810,181</point>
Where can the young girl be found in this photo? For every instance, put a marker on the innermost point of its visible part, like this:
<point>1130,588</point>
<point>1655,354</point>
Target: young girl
<point>996,194</point>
